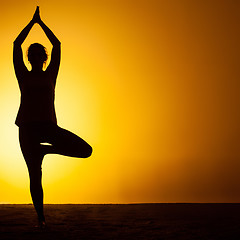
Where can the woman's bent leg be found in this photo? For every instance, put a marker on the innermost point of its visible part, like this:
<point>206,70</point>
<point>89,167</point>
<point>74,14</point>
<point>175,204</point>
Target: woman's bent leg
<point>66,143</point>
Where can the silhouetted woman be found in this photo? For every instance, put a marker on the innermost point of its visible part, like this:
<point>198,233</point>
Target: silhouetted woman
<point>36,117</point>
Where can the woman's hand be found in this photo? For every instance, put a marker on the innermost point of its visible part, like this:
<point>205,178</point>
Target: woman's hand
<point>36,17</point>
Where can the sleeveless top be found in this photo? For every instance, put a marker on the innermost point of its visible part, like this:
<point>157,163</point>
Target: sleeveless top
<point>37,99</point>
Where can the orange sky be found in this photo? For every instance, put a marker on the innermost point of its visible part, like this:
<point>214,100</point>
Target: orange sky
<point>153,86</point>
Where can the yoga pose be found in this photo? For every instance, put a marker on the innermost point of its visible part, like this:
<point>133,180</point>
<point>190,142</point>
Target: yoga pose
<point>36,117</point>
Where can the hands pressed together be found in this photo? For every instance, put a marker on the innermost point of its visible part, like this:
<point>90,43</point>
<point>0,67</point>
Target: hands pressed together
<point>36,17</point>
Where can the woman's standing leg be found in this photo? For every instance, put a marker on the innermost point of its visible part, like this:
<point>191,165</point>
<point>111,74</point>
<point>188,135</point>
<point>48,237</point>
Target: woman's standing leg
<point>62,142</point>
<point>31,150</point>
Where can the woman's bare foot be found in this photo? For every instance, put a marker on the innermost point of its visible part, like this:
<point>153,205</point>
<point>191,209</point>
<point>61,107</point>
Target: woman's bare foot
<point>42,225</point>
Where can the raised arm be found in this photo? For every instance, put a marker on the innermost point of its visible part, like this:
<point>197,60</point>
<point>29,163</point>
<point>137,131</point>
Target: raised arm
<point>18,62</point>
<point>53,67</point>
<point>23,34</point>
<point>56,51</point>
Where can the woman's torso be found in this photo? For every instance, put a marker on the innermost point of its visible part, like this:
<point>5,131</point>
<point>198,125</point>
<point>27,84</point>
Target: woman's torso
<point>37,99</point>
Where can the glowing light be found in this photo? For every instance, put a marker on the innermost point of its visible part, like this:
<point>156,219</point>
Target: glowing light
<point>153,86</point>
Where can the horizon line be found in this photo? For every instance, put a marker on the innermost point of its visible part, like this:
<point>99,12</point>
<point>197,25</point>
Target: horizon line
<point>136,203</point>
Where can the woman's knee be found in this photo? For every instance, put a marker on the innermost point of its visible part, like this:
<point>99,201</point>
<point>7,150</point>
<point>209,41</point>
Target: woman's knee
<point>87,152</point>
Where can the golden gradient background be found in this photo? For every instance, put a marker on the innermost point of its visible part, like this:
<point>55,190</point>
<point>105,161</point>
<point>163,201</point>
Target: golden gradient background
<point>153,86</point>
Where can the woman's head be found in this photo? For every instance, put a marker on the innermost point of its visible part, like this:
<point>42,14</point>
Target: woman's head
<point>37,54</point>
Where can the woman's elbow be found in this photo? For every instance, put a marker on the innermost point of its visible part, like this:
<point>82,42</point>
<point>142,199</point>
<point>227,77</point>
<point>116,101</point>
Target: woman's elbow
<point>56,43</point>
<point>16,42</point>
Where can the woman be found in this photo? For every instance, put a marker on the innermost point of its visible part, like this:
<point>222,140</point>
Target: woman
<point>36,117</point>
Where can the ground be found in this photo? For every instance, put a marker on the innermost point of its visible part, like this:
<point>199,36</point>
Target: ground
<point>123,221</point>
